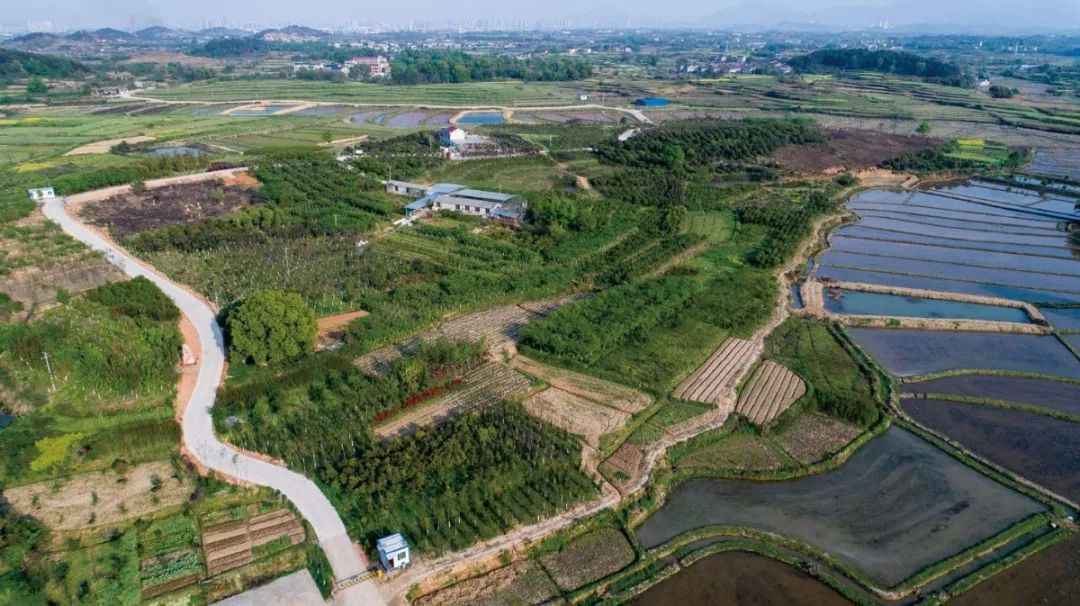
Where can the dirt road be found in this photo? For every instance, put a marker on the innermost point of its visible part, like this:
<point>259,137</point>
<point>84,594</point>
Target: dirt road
<point>197,425</point>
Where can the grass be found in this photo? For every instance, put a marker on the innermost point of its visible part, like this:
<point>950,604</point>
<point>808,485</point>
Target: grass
<point>527,173</point>
<point>453,95</point>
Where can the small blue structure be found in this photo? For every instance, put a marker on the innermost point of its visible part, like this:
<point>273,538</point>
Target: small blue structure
<point>393,552</point>
<point>652,102</point>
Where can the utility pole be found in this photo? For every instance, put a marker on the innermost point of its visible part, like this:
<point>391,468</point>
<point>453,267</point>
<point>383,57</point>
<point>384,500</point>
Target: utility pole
<point>48,365</point>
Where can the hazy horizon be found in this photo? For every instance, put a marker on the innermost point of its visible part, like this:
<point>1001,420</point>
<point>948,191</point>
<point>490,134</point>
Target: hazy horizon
<point>1006,16</point>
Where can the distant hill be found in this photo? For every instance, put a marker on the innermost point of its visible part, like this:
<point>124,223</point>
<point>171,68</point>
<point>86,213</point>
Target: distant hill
<point>19,64</point>
<point>230,47</point>
<point>105,34</point>
<point>161,34</point>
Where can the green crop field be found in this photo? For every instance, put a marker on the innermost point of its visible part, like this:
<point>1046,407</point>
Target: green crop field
<point>452,95</point>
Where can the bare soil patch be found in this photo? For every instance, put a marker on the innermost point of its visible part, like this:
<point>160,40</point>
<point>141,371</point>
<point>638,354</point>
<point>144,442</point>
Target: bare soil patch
<point>521,583</point>
<point>816,435</point>
<point>625,464</point>
<point>103,147</point>
<point>849,149</point>
<point>229,545</point>
<point>576,414</point>
<point>67,504</point>
<point>771,390</point>
<point>597,390</point>
<point>1051,576</point>
<point>129,213</point>
<point>331,329</point>
<point>39,284</point>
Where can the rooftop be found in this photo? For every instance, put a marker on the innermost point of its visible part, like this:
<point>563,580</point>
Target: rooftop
<point>479,194</point>
<point>391,543</point>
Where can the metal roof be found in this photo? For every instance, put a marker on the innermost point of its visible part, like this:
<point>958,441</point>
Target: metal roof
<point>418,204</point>
<point>392,543</point>
<point>444,188</point>
<point>408,184</point>
<point>484,195</point>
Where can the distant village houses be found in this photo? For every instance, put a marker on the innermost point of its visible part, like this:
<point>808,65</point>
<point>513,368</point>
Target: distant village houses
<point>374,67</point>
<point>371,67</point>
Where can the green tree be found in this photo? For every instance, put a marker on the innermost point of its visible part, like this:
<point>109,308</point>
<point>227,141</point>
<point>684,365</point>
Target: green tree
<point>270,327</point>
<point>674,156</point>
<point>36,86</point>
<point>924,128</point>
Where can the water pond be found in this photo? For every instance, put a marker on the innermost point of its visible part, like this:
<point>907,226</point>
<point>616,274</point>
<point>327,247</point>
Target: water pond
<point>1056,395</point>
<point>179,150</point>
<point>6,420</point>
<point>481,118</point>
<point>909,353</point>
<point>738,578</point>
<point>1062,318</point>
<point>897,506</point>
<point>1039,448</point>
<point>265,110</point>
<point>877,304</point>
<point>854,274</point>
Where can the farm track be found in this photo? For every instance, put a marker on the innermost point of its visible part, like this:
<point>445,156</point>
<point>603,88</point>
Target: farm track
<point>199,443</point>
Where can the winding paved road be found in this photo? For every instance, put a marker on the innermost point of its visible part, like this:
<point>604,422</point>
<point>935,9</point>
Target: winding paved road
<point>197,422</point>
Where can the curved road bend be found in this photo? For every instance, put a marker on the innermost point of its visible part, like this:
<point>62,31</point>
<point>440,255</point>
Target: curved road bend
<point>198,426</point>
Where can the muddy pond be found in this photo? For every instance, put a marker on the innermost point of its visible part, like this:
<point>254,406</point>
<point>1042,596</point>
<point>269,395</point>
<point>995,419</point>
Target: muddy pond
<point>897,506</point>
<point>909,353</point>
<point>1051,576</point>
<point>737,578</point>
<point>1037,447</point>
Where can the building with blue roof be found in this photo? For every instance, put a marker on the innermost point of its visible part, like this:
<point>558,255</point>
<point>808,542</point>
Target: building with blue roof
<point>652,102</point>
<point>393,552</point>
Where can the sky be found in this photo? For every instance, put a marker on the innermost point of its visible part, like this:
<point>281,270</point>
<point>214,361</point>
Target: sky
<point>963,15</point>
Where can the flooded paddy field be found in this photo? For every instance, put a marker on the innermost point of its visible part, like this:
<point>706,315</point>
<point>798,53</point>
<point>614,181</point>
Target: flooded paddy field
<point>321,110</point>
<point>265,110</point>
<point>897,506</point>
<point>884,235</point>
<point>944,285</point>
<point>1056,162</point>
<point>1055,395</point>
<point>481,118</point>
<point>879,304</point>
<point>973,259</point>
<point>1037,447</point>
<point>738,578</point>
<point>1037,281</point>
<point>1051,576</point>
<point>909,353</point>
<point>973,238</point>
<point>1062,318</point>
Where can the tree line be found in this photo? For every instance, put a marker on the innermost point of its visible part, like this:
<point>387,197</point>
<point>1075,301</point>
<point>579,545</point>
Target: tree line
<point>438,66</point>
<point>900,63</point>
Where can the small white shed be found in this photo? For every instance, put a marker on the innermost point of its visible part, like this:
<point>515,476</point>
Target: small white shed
<point>41,194</point>
<point>393,552</point>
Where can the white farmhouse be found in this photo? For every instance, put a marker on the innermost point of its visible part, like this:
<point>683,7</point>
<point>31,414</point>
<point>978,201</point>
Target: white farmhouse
<point>40,194</point>
<point>393,552</point>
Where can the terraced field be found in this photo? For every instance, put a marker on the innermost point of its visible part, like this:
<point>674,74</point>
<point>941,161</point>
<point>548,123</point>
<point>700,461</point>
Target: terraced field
<point>230,545</point>
<point>770,391</point>
<point>719,374</point>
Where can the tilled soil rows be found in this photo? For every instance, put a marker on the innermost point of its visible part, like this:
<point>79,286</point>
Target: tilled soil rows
<point>719,373</point>
<point>771,390</point>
